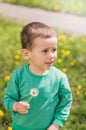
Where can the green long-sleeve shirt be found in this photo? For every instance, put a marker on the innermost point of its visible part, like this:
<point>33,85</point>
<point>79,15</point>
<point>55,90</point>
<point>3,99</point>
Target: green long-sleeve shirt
<point>52,105</point>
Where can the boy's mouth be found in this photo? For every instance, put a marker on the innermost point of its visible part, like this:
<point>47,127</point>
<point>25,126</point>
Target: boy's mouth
<point>49,63</point>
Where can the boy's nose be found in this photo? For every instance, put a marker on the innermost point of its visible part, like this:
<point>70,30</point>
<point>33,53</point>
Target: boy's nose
<point>50,55</point>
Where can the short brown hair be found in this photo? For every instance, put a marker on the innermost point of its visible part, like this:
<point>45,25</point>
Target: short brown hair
<point>34,30</point>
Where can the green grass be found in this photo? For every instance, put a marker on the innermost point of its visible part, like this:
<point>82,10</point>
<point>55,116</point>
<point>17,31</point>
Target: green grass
<point>77,7</point>
<point>71,60</point>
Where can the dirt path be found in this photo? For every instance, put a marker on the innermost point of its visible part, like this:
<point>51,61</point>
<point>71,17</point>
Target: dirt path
<point>68,23</point>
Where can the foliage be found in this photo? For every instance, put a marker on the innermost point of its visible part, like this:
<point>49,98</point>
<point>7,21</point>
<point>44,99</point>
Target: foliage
<point>71,60</point>
<point>68,6</point>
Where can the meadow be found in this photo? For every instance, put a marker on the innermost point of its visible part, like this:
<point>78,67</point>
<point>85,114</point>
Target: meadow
<point>71,60</point>
<point>77,7</point>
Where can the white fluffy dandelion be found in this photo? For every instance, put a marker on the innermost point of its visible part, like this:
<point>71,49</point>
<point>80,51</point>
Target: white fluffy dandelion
<point>33,93</point>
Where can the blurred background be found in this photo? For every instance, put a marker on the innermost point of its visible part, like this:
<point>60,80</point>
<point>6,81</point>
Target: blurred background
<point>71,57</point>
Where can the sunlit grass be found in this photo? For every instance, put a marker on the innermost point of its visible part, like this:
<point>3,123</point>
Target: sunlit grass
<point>71,60</point>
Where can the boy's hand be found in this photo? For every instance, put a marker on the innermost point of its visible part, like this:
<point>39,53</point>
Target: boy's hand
<point>53,127</point>
<point>21,107</point>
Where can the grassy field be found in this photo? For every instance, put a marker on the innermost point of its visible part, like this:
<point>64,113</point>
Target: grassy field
<point>77,7</point>
<point>71,60</point>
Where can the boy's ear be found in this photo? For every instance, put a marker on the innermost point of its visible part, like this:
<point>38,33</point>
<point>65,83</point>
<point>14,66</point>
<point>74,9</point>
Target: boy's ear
<point>25,53</point>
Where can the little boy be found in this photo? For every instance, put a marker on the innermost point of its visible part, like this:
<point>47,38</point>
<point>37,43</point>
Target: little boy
<point>51,107</point>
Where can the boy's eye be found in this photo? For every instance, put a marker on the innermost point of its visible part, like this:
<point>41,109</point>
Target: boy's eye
<point>54,49</point>
<point>45,51</point>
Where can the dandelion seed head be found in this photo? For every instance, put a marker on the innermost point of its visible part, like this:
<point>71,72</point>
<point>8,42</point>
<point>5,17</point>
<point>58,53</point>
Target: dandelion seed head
<point>34,92</point>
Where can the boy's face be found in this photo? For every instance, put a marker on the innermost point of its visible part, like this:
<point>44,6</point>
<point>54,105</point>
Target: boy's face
<point>43,55</point>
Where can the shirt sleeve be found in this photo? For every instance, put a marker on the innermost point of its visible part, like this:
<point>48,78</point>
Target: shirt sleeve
<point>65,100</point>
<point>11,93</point>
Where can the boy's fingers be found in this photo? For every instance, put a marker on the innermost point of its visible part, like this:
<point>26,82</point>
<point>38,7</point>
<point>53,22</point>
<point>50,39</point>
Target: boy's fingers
<point>28,106</point>
<point>25,104</point>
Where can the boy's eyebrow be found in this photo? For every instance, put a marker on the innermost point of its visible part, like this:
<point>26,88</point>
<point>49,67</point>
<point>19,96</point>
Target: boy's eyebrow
<point>49,48</point>
<point>45,49</point>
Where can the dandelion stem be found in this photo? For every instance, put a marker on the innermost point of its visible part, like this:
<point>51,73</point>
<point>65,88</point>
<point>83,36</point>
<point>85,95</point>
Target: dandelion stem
<point>30,99</point>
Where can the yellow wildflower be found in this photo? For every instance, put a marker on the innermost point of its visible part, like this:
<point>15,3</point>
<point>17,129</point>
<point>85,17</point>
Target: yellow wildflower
<point>62,38</point>
<point>65,52</point>
<point>77,92</point>
<point>17,57</point>
<point>72,63</point>
<point>64,70</point>
<point>79,87</point>
<point>71,38</point>
<point>18,52</point>
<point>7,77</point>
<point>59,60</point>
<point>1,113</point>
<point>57,7</point>
<point>84,39</point>
<point>16,63</point>
<point>9,128</point>
<point>85,92</point>
<point>68,52</point>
